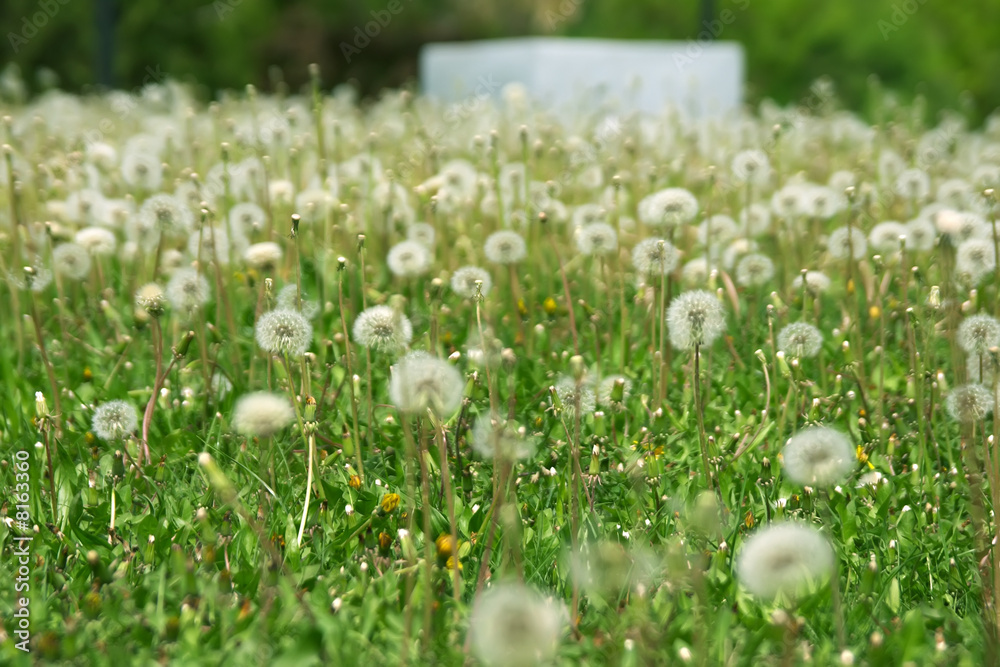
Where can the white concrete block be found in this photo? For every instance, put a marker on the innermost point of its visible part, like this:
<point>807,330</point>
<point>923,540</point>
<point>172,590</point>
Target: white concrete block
<point>700,79</point>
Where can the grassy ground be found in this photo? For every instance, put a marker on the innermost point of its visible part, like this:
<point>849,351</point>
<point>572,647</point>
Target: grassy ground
<point>613,518</point>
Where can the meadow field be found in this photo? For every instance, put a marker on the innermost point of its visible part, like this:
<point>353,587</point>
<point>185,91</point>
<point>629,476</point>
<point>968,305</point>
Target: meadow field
<point>296,379</point>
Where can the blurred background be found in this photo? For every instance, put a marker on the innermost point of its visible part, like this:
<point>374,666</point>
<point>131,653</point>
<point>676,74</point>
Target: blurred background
<point>948,52</point>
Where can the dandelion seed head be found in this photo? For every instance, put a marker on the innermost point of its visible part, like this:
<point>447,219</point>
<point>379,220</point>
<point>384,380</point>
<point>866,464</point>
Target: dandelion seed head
<point>800,339</point>
<point>576,395</point>
<point>695,318</point>
<point>978,333</point>
<point>284,331</point>
<point>420,382</point>
<point>262,414</point>
<point>816,282</point>
<point>187,290</point>
<point>818,456</point>
<point>71,260</point>
<point>784,558</point>
<point>289,299</point>
<point>262,256</point>
<point>496,437</point>
<point>98,241</point>
<point>920,235</point>
<point>505,247</point>
<point>408,259</point>
<point>463,281</point>
<point>422,233</point>
<point>596,238</point>
<point>847,242</point>
<point>884,237</point>
<point>247,218</point>
<point>654,257</point>
<point>113,420</point>
<point>512,626</point>
<point>151,298</point>
<point>382,328</point>
<point>751,166</point>
<point>718,229</point>
<point>668,208</point>
<point>754,270</point>
<point>969,403</point>
<point>975,259</point>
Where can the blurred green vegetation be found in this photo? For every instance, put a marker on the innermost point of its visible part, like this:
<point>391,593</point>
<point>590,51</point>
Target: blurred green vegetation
<point>939,49</point>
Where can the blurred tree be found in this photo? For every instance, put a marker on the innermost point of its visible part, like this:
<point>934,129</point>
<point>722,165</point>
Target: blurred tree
<point>939,49</point>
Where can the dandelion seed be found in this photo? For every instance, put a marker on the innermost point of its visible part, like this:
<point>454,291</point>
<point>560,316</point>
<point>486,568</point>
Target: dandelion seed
<point>654,257</point>
<point>463,281</point>
<point>884,237</point>
<point>262,256</point>
<point>421,382</point>
<point>247,218</point>
<point>816,282</point>
<point>847,242</point>
<point>576,395</point>
<point>505,247</point>
<point>969,403</point>
<point>113,420</point>
<point>151,298</point>
<point>751,166</point>
<point>668,208</point>
<point>290,299</point>
<point>978,333</point>
<point>422,233</point>
<point>784,558</point>
<point>71,260</point>
<point>503,439</point>
<point>262,414</point>
<point>695,318</point>
<point>754,270</point>
<point>596,238</point>
<point>382,328</point>
<point>800,340</point>
<point>408,259</point>
<point>187,290</point>
<point>818,456</point>
<point>98,241</point>
<point>512,626</point>
<point>920,235</point>
<point>975,259</point>
<point>283,332</point>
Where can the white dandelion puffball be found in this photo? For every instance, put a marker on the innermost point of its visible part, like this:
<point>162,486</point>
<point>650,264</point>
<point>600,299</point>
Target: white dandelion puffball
<point>505,247</point>
<point>814,281</point>
<point>292,298</point>
<point>885,236</point>
<point>113,420</point>
<point>576,395</point>
<point>382,328</point>
<point>246,218</point>
<point>421,382</point>
<point>463,281</point>
<point>408,259</point>
<point>978,333</point>
<point>969,403</point>
<point>818,456</point>
<point>784,558</point>
<point>800,340</point>
<point>695,318</point>
<point>151,298</point>
<point>513,626</point>
<point>847,242</point>
<point>920,235</point>
<point>262,414</point>
<point>284,331</point>
<point>71,260</point>
<point>496,437</point>
<point>187,290</point>
<point>654,257</point>
<point>422,233</point>
<point>975,259</point>
<point>751,166</point>
<point>754,270</point>
<point>264,255</point>
<point>597,238</point>
<point>668,208</point>
<point>98,241</point>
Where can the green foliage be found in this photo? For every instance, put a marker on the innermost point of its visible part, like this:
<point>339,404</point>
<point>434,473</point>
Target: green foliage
<point>942,51</point>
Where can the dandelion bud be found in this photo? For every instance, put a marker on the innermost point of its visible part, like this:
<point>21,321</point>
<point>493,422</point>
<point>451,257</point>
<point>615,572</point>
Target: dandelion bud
<point>41,408</point>
<point>181,349</point>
